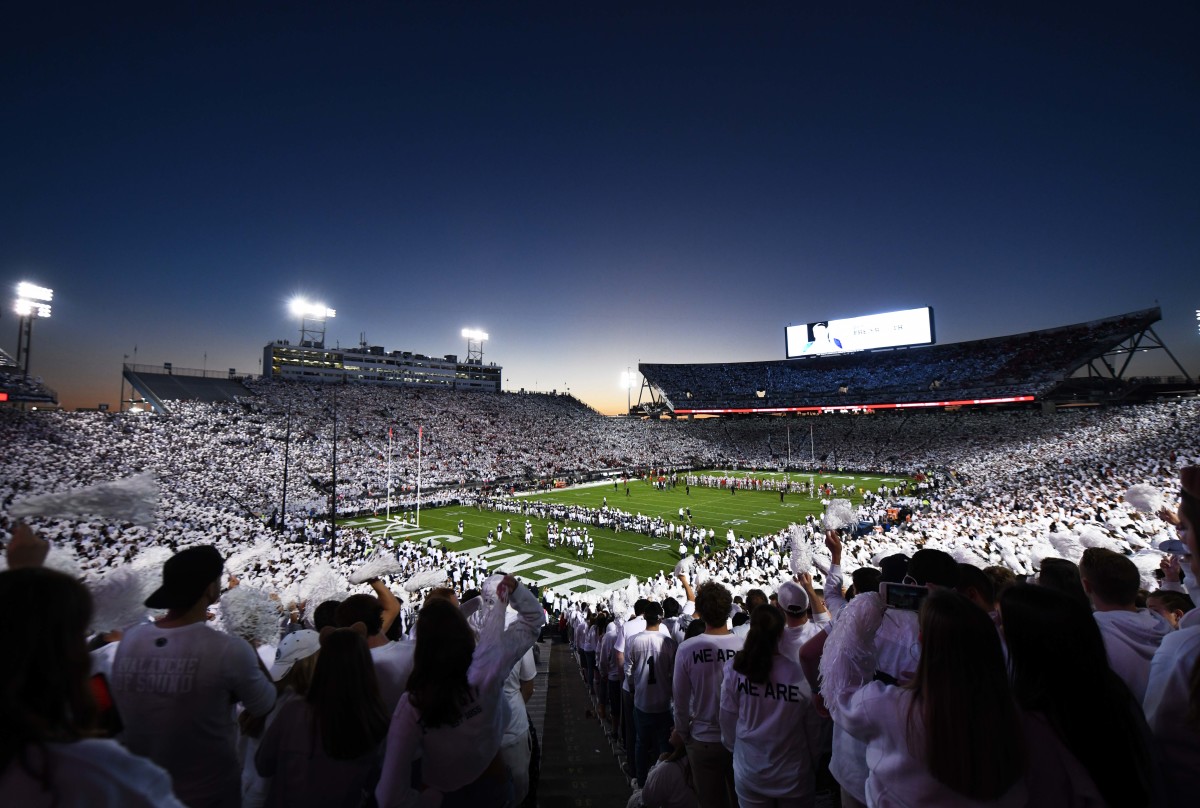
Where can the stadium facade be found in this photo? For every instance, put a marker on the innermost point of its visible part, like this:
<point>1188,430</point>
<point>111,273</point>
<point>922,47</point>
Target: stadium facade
<point>1083,363</point>
<point>312,362</point>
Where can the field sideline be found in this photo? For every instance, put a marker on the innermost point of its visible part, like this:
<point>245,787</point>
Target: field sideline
<point>618,554</point>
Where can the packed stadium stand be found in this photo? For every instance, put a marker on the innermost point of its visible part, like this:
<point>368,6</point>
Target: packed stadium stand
<point>1030,365</point>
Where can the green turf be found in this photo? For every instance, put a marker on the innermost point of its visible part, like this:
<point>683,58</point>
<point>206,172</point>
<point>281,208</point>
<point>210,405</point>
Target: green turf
<point>618,555</point>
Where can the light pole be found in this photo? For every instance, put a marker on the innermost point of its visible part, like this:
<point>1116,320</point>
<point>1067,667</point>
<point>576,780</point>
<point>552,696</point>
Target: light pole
<point>627,383</point>
<point>312,321</point>
<point>475,338</point>
<point>32,302</point>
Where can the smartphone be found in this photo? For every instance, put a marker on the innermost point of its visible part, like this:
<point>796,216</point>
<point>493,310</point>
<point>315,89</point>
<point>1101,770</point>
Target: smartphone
<point>108,720</point>
<point>903,596</point>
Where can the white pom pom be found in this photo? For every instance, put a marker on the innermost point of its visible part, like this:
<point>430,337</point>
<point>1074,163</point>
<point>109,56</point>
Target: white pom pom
<point>322,584</point>
<point>250,613</point>
<point>150,560</point>
<point>685,565</point>
<point>134,499</point>
<point>240,562</point>
<point>117,598</point>
<point>427,579</point>
<point>379,566</point>
<point>1145,498</point>
<point>801,555</point>
<point>839,515</point>
<point>1067,544</point>
<point>1093,536</point>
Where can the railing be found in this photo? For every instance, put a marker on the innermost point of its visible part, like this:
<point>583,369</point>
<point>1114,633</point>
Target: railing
<point>174,371</point>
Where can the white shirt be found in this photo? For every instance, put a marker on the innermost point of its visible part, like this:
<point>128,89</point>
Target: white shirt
<point>393,666</point>
<point>772,729</point>
<point>650,667</point>
<point>699,671</point>
<point>629,630</point>
<point>175,689</point>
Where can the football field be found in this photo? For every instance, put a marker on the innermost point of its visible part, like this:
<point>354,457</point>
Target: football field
<point>617,554</point>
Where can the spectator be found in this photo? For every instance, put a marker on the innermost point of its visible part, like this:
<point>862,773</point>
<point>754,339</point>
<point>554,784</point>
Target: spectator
<point>768,720</point>
<point>323,749</point>
<point>48,753</point>
<point>175,679</point>
<point>649,668</point>
<point>797,599</point>
<point>923,752</point>
<point>699,672</point>
<point>1170,605</point>
<point>1052,641</point>
<point>393,660</point>
<point>1131,635</point>
<point>453,715</point>
<point>295,661</point>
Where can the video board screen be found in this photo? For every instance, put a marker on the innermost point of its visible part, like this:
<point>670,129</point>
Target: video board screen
<point>891,329</point>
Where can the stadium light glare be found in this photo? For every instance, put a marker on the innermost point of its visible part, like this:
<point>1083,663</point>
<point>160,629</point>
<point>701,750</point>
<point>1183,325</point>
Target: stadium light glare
<point>30,291</point>
<point>31,308</point>
<point>303,308</point>
<point>475,334</point>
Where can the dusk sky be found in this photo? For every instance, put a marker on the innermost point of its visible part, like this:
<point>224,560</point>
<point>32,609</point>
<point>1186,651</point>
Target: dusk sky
<point>593,183</point>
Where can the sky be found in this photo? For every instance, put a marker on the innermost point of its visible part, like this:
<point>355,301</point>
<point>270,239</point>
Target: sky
<point>592,183</point>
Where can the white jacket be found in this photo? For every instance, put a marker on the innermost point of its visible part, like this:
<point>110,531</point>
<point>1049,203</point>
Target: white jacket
<point>1131,639</point>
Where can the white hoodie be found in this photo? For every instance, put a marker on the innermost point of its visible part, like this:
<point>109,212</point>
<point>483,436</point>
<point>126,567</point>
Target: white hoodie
<point>1131,638</point>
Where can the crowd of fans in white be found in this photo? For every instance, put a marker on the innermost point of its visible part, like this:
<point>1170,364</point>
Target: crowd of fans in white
<point>1000,489</point>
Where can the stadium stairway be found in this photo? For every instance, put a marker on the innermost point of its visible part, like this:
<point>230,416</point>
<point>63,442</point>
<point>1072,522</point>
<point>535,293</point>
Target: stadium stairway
<point>579,768</point>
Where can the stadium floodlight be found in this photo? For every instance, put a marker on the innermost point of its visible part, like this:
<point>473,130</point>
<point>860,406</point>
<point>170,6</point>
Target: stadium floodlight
<point>29,291</point>
<point>312,321</point>
<point>628,379</point>
<point>475,338</point>
<point>32,302</point>
<point>316,311</point>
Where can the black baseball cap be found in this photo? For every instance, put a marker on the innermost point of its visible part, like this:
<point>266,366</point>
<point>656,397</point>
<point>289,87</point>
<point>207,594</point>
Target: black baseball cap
<point>185,577</point>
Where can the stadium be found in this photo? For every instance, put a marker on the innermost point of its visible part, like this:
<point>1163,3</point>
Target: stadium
<point>1001,452</point>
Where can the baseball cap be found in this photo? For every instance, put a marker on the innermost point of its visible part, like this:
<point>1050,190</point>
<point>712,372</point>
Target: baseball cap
<point>294,647</point>
<point>185,577</point>
<point>793,599</point>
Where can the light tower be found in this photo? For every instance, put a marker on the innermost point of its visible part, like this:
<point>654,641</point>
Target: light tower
<point>627,380</point>
<point>475,338</point>
<point>312,321</point>
<point>32,302</point>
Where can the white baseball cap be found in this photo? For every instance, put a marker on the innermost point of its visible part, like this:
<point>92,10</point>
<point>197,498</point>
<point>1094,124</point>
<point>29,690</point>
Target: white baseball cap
<point>294,647</point>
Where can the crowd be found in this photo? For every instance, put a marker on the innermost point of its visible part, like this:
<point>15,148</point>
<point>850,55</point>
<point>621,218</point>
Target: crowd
<point>924,681</point>
<point>1013,493</point>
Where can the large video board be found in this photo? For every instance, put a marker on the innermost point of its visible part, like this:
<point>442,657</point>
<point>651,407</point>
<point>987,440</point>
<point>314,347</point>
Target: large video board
<point>891,329</point>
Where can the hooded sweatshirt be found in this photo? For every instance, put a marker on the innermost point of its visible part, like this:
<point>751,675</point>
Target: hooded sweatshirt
<point>1131,638</point>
